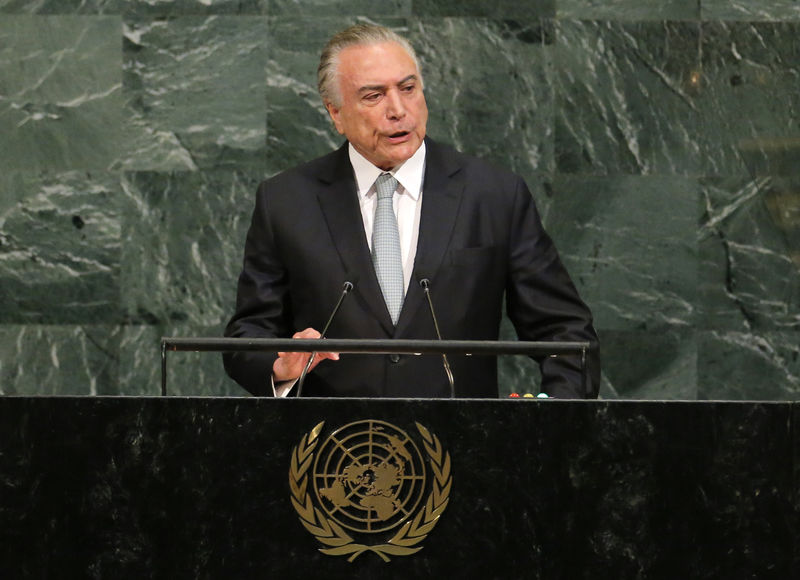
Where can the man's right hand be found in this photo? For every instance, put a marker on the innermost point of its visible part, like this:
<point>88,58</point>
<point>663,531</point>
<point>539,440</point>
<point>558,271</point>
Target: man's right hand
<point>289,365</point>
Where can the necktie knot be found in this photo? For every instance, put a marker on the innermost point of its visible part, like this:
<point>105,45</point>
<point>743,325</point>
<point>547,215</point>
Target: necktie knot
<point>385,185</point>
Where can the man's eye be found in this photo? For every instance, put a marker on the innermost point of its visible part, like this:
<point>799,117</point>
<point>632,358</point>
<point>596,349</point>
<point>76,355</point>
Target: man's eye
<point>372,96</point>
<point>408,88</point>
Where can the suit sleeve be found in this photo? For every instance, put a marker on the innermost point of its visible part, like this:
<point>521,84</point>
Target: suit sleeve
<point>262,304</point>
<point>543,303</point>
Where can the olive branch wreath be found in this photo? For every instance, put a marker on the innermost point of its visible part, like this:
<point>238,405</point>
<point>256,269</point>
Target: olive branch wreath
<point>328,532</point>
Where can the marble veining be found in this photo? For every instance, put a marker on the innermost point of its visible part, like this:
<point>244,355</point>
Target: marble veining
<point>750,100</point>
<point>61,92</point>
<point>191,122</point>
<point>750,10</point>
<point>59,248</point>
<point>749,275</point>
<point>189,277</point>
<point>626,97</point>
<point>58,359</point>
<point>629,9</point>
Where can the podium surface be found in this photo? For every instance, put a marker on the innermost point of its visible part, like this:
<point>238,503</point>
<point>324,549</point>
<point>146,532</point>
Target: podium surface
<point>201,488</point>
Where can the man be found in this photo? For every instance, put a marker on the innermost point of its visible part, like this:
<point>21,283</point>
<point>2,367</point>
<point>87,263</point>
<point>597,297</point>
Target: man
<point>389,208</point>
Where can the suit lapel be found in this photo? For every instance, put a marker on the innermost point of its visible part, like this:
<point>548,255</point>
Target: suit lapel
<point>339,202</point>
<point>441,199</point>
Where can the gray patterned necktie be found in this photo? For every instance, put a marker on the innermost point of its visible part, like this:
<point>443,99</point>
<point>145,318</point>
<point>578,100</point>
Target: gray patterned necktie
<point>386,254</point>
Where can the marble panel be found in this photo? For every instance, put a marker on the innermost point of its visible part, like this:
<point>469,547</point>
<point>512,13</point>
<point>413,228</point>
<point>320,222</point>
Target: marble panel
<point>750,98</point>
<point>189,374</point>
<point>749,248</point>
<point>169,8</point>
<point>629,244</point>
<point>61,6</point>
<point>60,247</point>
<point>748,366</point>
<point>628,9</point>
<point>59,360</point>
<point>357,8</point>
<point>626,98</point>
<point>194,87</point>
<point>488,84</point>
<point>312,8</point>
<point>496,9</point>
<point>298,127</point>
<point>60,92</point>
<point>750,10</point>
<point>182,247</point>
<point>649,365</point>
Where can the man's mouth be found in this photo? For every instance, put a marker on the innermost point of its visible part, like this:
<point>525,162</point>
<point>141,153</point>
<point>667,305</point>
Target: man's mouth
<point>399,135</point>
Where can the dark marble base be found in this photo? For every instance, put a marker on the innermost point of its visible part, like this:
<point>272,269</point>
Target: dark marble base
<point>198,488</point>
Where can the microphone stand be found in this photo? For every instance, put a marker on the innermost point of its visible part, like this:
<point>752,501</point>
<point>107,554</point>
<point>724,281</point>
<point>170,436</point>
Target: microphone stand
<point>425,283</point>
<point>348,286</point>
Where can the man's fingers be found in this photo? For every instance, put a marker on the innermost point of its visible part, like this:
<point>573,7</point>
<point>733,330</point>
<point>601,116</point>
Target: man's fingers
<point>307,333</point>
<point>290,364</point>
<point>320,356</point>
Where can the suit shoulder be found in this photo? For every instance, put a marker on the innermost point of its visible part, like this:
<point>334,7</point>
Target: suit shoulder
<point>480,176</point>
<point>304,175</point>
<point>472,165</point>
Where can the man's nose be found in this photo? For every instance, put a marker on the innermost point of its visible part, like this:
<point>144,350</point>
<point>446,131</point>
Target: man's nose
<point>394,105</point>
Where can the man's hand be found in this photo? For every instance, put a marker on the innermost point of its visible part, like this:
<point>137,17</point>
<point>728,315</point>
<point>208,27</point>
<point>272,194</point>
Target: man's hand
<point>289,365</point>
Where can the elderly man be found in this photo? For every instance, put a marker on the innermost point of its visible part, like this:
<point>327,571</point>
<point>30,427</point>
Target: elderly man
<point>389,208</point>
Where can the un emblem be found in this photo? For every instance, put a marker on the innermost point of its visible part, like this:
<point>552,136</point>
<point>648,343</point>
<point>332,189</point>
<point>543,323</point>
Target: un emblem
<point>367,479</point>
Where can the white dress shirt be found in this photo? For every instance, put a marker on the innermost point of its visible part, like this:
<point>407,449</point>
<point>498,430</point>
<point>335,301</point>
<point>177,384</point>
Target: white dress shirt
<point>407,200</point>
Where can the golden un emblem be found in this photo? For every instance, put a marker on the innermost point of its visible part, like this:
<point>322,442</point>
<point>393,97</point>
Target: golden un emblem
<point>369,481</point>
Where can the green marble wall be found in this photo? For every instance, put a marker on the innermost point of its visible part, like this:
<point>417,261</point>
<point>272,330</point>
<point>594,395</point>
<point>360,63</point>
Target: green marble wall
<point>661,139</point>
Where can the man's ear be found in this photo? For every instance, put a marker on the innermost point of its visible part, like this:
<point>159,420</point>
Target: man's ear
<point>335,114</point>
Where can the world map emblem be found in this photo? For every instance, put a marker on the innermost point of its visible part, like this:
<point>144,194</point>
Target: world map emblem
<point>369,487</point>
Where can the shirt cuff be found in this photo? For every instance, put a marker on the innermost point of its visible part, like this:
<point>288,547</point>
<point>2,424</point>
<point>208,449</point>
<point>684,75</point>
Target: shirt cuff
<point>282,388</point>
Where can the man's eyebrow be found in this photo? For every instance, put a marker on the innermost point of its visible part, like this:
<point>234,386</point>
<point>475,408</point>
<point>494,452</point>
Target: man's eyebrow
<point>367,88</point>
<point>408,78</point>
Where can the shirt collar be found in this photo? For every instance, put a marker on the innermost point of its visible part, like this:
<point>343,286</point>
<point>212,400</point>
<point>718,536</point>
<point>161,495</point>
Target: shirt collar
<point>409,174</point>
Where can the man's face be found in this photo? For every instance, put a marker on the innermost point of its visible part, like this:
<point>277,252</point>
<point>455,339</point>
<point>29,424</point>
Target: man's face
<point>382,112</point>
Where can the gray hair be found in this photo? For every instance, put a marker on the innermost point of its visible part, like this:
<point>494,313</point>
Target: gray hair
<point>357,35</point>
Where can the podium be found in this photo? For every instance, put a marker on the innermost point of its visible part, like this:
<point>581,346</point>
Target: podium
<point>201,488</point>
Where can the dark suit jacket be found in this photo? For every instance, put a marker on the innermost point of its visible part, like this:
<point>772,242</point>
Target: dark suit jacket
<point>480,238</point>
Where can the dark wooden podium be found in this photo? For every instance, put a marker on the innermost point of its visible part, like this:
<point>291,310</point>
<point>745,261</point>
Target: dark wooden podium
<point>200,488</point>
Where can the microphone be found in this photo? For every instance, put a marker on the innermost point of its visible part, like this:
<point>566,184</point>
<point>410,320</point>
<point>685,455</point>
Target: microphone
<point>425,283</point>
<point>346,288</point>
